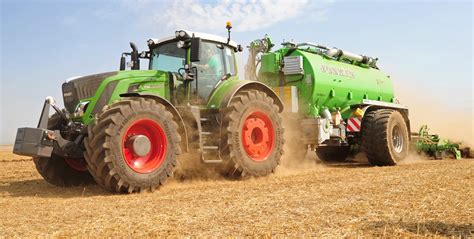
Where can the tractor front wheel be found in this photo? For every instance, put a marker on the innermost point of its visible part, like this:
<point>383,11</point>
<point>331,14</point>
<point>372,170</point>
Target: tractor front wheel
<point>132,146</point>
<point>253,134</point>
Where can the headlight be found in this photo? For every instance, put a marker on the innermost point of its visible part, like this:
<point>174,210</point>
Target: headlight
<point>180,44</point>
<point>80,109</point>
<point>181,35</point>
<point>151,42</point>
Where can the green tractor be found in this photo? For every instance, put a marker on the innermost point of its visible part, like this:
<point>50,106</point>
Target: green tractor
<point>126,129</point>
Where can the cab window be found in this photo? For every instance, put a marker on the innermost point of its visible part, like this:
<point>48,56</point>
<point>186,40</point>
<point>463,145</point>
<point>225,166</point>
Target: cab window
<point>168,57</point>
<point>229,61</point>
<point>211,68</point>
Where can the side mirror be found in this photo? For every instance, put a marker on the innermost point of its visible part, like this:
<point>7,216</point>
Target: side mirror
<point>195,49</point>
<point>122,63</point>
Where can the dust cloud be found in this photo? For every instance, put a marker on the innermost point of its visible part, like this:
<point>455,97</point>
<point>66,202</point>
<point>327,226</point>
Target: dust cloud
<point>290,164</point>
<point>414,157</point>
<point>296,157</point>
<point>446,120</point>
<point>191,168</point>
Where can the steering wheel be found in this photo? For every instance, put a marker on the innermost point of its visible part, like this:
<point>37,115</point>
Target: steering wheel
<point>181,71</point>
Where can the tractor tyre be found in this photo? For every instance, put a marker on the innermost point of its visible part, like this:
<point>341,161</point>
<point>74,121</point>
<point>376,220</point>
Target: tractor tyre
<point>252,134</point>
<point>333,153</point>
<point>132,145</point>
<point>59,171</point>
<point>384,137</point>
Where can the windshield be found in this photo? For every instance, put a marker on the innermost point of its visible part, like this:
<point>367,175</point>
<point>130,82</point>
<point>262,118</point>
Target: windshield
<point>167,57</point>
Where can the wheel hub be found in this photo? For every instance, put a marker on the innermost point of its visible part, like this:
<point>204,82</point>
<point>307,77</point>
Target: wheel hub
<point>258,136</point>
<point>141,144</point>
<point>397,139</point>
<point>144,146</point>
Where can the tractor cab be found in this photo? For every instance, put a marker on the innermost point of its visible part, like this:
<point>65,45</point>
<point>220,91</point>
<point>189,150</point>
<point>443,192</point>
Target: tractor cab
<point>197,63</point>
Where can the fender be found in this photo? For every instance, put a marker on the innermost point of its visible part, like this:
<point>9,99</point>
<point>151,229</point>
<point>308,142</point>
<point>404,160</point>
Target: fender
<point>369,105</point>
<point>221,97</point>
<point>170,107</point>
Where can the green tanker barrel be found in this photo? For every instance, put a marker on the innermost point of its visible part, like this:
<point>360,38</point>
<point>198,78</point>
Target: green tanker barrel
<point>325,81</point>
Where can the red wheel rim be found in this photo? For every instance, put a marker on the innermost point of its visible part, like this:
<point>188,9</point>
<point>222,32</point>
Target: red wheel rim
<point>150,161</point>
<point>258,136</point>
<point>79,165</point>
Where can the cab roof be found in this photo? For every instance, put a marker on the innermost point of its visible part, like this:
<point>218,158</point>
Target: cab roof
<point>203,36</point>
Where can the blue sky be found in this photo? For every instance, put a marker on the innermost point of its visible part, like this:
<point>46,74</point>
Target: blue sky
<point>425,46</point>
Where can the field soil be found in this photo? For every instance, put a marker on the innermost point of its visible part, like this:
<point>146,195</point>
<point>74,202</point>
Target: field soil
<point>418,198</point>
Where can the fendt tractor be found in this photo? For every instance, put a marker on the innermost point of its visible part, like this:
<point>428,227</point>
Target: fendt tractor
<point>126,129</point>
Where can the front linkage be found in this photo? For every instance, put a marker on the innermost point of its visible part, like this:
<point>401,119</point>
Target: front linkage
<point>57,134</point>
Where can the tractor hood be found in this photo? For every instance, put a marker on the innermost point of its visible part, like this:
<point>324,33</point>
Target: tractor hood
<point>82,88</point>
<point>100,89</point>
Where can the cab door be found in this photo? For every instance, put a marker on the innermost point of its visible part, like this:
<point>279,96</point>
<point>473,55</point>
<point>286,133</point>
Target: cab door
<point>210,70</point>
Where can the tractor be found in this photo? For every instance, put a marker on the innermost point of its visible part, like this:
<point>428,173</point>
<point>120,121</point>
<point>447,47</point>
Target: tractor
<point>126,129</point>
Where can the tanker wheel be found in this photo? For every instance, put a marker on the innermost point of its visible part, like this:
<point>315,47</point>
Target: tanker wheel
<point>59,171</point>
<point>333,153</point>
<point>132,145</point>
<point>253,134</point>
<point>384,137</point>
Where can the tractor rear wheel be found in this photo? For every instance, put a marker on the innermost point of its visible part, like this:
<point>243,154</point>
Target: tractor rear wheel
<point>59,171</point>
<point>333,153</point>
<point>253,134</point>
<point>132,146</point>
<point>384,137</point>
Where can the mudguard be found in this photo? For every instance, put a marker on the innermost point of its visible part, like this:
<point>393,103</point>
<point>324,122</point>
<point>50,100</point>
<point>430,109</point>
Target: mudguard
<point>221,97</point>
<point>172,109</point>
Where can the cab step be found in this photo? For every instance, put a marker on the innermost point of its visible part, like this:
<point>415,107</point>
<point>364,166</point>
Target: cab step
<point>210,151</point>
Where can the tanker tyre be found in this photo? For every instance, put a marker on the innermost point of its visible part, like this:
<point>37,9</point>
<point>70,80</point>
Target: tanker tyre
<point>132,145</point>
<point>253,135</point>
<point>59,171</point>
<point>333,153</point>
<point>384,137</point>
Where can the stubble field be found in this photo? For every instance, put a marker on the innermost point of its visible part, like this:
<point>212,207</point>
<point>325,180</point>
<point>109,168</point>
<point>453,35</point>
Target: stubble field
<point>417,198</point>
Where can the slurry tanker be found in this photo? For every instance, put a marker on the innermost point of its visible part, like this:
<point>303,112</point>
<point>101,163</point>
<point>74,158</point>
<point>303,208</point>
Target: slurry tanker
<point>126,130</point>
<point>335,101</point>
